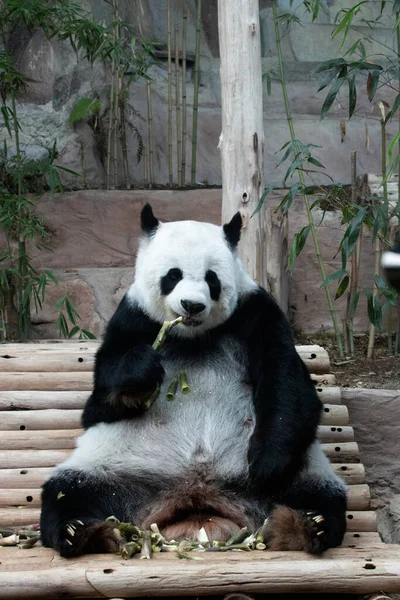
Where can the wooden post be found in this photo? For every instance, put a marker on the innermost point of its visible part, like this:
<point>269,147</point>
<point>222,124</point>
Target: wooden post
<point>242,138</point>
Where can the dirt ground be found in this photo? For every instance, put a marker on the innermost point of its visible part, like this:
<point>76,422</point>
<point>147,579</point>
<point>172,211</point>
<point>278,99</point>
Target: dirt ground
<point>381,371</point>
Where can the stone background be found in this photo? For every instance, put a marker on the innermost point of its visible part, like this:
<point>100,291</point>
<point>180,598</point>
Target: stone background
<point>61,77</point>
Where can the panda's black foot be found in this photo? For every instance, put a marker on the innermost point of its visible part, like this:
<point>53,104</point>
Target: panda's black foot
<point>77,537</point>
<point>290,529</point>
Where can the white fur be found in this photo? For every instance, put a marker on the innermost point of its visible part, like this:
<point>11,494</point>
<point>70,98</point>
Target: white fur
<point>194,248</point>
<point>320,469</point>
<point>210,425</point>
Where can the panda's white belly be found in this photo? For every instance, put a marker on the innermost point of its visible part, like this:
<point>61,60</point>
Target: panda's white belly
<point>211,424</point>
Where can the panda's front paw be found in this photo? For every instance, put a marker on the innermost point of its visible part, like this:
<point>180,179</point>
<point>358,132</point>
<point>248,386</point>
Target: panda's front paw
<point>290,529</point>
<point>77,537</point>
<point>136,388</point>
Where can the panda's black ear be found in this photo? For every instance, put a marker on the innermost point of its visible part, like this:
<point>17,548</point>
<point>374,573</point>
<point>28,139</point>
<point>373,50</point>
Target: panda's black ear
<point>148,221</point>
<point>232,230</point>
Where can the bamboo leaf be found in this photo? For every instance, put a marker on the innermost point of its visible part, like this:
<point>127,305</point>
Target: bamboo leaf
<point>352,95</point>
<point>393,144</point>
<point>394,109</point>
<point>361,65</point>
<point>333,93</point>
<point>336,275</point>
<point>88,334</point>
<point>83,109</point>
<point>342,287</point>
<point>327,65</point>
<point>262,199</point>
<point>59,304</point>
<point>6,119</point>
<point>288,199</point>
<point>52,277</point>
<point>299,241</point>
<point>315,162</point>
<point>372,84</point>
<point>73,331</point>
<point>346,22</point>
<point>396,6</point>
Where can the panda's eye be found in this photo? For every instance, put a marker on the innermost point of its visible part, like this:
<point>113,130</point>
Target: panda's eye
<point>214,284</point>
<point>175,274</point>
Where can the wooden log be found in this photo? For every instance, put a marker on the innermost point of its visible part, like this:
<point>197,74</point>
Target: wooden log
<point>321,381</point>
<point>16,517</point>
<point>362,539</point>
<point>39,400</point>
<point>328,434</point>
<point>343,452</point>
<point>24,459</point>
<point>40,419</point>
<point>361,520</point>
<point>52,439</point>
<point>329,395</point>
<point>345,570</point>
<point>47,381</point>
<point>358,497</point>
<point>24,478</point>
<point>334,414</point>
<point>350,473</point>
<point>83,380</point>
<point>19,497</point>
<point>315,358</point>
<point>50,362</point>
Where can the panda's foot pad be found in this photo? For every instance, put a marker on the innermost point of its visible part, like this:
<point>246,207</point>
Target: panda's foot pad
<point>290,529</point>
<point>78,538</point>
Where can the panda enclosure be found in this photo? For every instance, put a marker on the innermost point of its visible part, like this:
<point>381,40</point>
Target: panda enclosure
<point>83,248</point>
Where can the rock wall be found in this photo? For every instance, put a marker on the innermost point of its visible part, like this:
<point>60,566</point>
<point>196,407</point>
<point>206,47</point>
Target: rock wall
<point>375,416</point>
<point>61,77</point>
<point>94,241</point>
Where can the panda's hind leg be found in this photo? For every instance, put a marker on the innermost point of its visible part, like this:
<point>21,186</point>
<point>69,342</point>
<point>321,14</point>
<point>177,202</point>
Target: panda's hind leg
<point>311,514</point>
<point>75,507</point>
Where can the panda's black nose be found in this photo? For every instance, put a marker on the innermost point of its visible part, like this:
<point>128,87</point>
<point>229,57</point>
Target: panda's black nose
<point>192,308</point>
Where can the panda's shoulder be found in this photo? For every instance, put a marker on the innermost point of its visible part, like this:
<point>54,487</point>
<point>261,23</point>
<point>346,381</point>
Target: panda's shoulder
<point>258,312</point>
<point>130,320</point>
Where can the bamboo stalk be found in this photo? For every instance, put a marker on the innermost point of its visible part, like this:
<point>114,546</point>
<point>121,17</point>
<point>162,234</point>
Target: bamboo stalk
<point>146,167</point>
<point>354,263</point>
<point>110,126</point>
<point>150,133</point>
<point>124,145</point>
<point>170,171</point>
<point>301,177</point>
<point>196,94</point>
<point>178,110</point>
<point>117,94</point>
<point>184,118</point>
<point>378,250</point>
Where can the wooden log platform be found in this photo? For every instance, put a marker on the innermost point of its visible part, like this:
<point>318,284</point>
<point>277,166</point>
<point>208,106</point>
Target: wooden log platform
<point>43,388</point>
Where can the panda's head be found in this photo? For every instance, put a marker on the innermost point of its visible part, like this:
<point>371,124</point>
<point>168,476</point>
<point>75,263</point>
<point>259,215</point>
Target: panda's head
<point>189,269</point>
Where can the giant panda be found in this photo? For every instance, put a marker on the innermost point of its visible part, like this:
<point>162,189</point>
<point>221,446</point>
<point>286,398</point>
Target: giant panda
<point>240,447</point>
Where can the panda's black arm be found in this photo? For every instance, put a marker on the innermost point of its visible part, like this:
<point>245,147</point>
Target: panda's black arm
<point>287,407</point>
<point>126,366</point>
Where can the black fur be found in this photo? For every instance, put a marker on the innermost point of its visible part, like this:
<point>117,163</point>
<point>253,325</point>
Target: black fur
<point>125,364</point>
<point>170,280</point>
<point>148,221</point>
<point>232,230</point>
<point>214,285</point>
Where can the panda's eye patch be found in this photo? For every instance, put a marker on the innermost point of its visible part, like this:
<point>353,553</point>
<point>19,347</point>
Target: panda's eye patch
<point>169,281</point>
<point>175,274</point>
<point>214,284</point>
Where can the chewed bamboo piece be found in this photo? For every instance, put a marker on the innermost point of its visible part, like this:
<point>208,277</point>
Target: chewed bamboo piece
<point>145,543</point>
